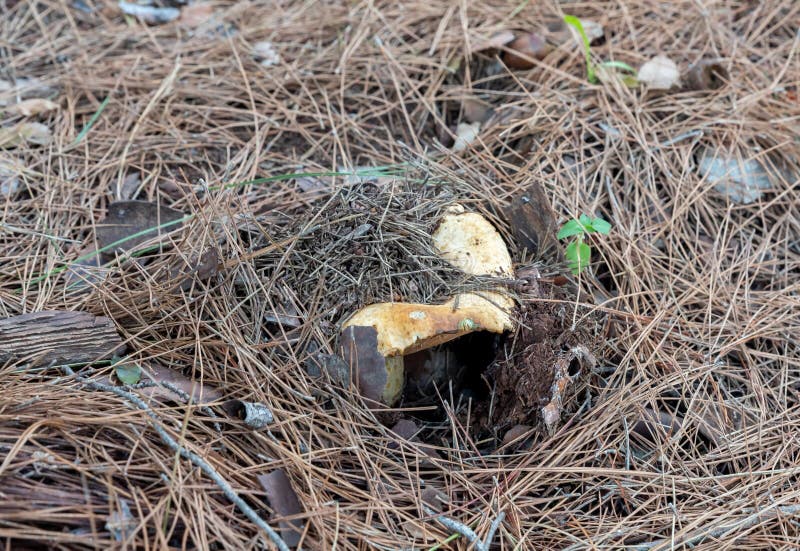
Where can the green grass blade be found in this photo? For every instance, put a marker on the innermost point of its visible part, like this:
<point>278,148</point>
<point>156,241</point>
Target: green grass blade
<point>109,247</point>
<point>91,122</point>
<point>619,65</point>
<point>387,170</point>
<point>450,538</point>
<point>574,22</point>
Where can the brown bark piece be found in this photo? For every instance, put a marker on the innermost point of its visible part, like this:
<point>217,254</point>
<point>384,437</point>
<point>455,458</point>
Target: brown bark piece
<point>532,220</point>
<point>283,500</point>
<point>58,337</point>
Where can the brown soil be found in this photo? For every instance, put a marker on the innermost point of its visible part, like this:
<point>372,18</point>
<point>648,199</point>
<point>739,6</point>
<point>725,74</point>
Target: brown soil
<point>523,375</point>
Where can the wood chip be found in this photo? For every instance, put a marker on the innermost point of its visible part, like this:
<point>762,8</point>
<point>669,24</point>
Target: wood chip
<point>58,337</point>
<point>283,500</point>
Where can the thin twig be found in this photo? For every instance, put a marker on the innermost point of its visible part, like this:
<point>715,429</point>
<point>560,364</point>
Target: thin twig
<point>466,531</point>
<point>187,399</point>
<point>226,488</point>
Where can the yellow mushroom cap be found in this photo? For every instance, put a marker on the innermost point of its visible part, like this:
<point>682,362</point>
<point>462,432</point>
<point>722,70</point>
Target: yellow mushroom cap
<point>404,328</point>
<point>469,242</point>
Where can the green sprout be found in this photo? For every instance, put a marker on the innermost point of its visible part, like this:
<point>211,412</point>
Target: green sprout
<point>578,252</point>
<point>128,374</point>
<point>591,72</point>
<point>574,22</point>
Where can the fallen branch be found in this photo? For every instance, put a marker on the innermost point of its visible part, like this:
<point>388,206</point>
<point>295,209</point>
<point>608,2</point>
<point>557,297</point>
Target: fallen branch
<point>226,488</point>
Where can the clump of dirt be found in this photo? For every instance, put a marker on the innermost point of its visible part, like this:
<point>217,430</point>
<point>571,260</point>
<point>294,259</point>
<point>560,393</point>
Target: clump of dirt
<point>523,375</point>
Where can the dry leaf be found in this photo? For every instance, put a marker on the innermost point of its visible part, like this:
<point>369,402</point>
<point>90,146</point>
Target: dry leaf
<point>434,498</point>
<point>532,220</point>
<point>475,110</point>
<point>466,133</point>
<point>660,73</point>
<point>283,500</point>
<point>405,429</point>
<point>716,421</point>
<point>208,264</point>
<point>121,524</point>
<point>168,381</point>
<point>524,50</point>
<point>652,426</point>
<point>292,321</point>
<point>331,365</point>
<point>150,14</point>
<point>141,219</point>
<point>742,180</point>
<point>266,54</point>
<point>170,188</point>
<point>494,42</point>
<point>201,394</point>
<point>10,169</point>
<point>201,268</point>
<point>6,89</point>
<point>515,433</point>
<point>707,75</point>
<point>594,31</point>
<point>87,272</point>
<point>129,186</point>
<point>9,186</point>
<point>23,88</point>
<point>309,184</point>
<point>25,132</point>
<point>30,107</point>
<point>195,15</point>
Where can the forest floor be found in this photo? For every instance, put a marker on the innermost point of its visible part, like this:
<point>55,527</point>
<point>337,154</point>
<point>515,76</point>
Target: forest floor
<point>290,161</point>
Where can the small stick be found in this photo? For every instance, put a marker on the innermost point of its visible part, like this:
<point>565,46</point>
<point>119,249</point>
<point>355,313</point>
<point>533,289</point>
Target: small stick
<point>492,529</point>
<point>226,488</point>
<point>466,531</point>
<point>180,394</point>
<point>627,444</point>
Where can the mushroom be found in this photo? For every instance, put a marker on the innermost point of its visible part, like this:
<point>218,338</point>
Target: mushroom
<point>376,338</point>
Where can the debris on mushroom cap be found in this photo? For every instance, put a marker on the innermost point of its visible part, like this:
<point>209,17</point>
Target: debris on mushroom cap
<point>469,242</point>
<point>375,339</point>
